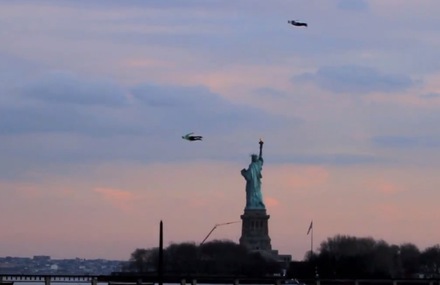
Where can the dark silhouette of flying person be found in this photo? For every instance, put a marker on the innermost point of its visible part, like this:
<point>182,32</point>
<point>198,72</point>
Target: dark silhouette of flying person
<point>297,24</point>
<point>190,137</point>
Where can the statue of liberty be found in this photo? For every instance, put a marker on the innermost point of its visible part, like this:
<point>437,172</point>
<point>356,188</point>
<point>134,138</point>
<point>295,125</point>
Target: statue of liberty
<point>254,197</point>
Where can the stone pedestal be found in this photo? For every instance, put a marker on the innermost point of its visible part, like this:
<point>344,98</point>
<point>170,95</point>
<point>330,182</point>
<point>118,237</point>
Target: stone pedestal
<point>255,230</point>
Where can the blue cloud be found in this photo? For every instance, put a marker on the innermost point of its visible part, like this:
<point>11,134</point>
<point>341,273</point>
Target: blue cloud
<point>176,96</point>
<point>22,119</point>
<point>62,102</point>
<point>326,159</point>
<point>66,88</point>
<point>430,96</point>
<point>406,142</point>
<point>356,5</point>
<point>269,92</point>
<point>356,79</point>
<point>63,130</point>
<point>196,107</point>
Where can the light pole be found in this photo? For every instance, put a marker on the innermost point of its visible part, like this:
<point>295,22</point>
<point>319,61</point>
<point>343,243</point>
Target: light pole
<point>217,225</point>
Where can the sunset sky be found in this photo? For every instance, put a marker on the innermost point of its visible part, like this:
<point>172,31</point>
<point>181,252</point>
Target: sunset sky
<point>95,96</point>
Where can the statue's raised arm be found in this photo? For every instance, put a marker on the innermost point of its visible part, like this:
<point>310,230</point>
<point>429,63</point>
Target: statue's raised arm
<point>261,149</point>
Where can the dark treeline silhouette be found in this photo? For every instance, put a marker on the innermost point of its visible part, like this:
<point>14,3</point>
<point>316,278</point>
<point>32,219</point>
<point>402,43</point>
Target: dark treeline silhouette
<point>353,257</point>
<point>218,257</point>
<point>337,257</point>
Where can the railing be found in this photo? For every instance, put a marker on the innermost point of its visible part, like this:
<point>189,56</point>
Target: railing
<point>9,279</point>
<point>417,281</point>
<point>47,279</point>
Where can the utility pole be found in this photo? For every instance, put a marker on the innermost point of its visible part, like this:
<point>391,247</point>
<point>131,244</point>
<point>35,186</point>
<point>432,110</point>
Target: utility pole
<point>160,265</point>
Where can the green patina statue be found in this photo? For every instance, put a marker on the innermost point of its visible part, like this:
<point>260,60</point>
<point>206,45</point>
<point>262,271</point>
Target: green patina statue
<point>254,197</point>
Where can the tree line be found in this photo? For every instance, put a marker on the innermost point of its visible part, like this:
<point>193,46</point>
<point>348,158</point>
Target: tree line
<point>340,256</point>
<point>217,257</point>
<point>345,256</point>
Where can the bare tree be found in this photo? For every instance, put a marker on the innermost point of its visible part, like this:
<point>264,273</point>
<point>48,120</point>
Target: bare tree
<point>430,261</point>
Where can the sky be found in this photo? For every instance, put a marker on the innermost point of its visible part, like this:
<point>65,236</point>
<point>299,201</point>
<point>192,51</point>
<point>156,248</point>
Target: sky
<point>95,96</point>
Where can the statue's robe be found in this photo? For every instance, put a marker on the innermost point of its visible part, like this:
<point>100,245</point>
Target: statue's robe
<point>254,197</point>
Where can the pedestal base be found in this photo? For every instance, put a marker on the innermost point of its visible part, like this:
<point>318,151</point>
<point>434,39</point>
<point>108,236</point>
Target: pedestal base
<point>255,230</point>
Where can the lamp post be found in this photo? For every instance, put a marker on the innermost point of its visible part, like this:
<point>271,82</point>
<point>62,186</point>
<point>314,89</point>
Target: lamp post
<point>217,225</point>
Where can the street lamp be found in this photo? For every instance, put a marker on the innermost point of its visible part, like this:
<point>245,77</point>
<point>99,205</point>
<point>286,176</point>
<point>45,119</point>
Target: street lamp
<point>217,225</point>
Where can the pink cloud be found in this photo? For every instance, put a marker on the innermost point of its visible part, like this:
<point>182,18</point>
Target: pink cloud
<point>119,199</point>
<point>20,189</point>
<point>300,177</point>
<point>388,188</point>
<point>385,187</point>
<point>388,212</point>
<point>271,202</point>
<point>358,201</point>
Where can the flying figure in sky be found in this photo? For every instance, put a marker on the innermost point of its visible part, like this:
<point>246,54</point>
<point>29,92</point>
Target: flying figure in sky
<point>297,24</point>
<point>190,137</point>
